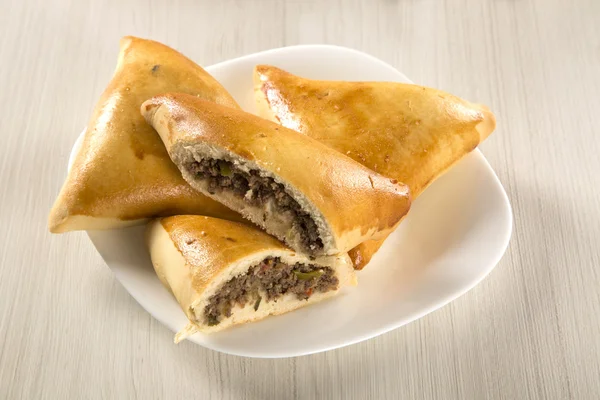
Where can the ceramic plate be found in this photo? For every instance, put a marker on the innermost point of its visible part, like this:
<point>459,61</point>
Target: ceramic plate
<point>455,234</point>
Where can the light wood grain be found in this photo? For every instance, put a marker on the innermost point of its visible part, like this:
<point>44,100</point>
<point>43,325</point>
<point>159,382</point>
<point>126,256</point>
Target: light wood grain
<point>530,330</point>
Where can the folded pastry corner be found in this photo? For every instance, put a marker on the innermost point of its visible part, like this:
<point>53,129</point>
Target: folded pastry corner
<point>313,198</point>
<point>407,132</point>
<point>224,273</point>
<point>122,174</point>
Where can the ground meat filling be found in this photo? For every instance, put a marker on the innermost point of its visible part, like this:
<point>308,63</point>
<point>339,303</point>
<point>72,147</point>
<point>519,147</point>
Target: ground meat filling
<point>257,190</point>
<point>272,278</point>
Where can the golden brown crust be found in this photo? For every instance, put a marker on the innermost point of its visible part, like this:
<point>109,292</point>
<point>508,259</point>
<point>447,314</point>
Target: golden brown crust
<point>361,255</point>
<point>356,202</point>
<point>123,173</point>
<point>407,132</point>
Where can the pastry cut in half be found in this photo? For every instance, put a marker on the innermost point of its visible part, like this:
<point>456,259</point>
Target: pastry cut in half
<point>315,199</point>
<point>225,273</point>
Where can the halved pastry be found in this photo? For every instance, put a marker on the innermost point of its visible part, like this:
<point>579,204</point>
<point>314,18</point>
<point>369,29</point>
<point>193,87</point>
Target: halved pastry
<point>224,273</point>
<point>406,132</point>
<point>313,198</point>
<point>122,174</point>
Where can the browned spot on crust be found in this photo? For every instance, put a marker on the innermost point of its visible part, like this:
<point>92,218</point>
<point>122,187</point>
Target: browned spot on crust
<point>244,154</point>
<point>231,239</point>
<point>139,154</point>
<point>357,258</point>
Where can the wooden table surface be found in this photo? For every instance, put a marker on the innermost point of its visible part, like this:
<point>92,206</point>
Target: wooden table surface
<point>530,330</point>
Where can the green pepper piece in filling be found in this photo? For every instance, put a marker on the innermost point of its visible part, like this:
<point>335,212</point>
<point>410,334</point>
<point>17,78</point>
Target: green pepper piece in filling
<point>212,320</point>
<point>257,303</point>
<point>290,235</point>
<point>304,276</point>
<point>225,169</point>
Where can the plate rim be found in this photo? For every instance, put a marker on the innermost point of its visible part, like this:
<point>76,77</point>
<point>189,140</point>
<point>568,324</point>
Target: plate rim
<point>349,50</point>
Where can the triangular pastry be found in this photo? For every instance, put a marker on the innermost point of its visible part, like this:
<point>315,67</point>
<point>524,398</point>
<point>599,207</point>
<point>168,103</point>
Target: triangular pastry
<point>122,174</point>
<point>407,132</point>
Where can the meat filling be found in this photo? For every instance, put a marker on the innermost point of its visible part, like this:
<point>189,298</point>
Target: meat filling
<point>271,279</point>
<point>257,191</point>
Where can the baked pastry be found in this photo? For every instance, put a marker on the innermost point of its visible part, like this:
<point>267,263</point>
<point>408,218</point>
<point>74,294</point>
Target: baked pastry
<point>224,273</point>
<point>122,174</point>
<point>407,132</point>
<point>313,198</point>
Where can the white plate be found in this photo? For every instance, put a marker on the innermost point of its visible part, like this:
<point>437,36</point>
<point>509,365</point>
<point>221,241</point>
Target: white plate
<point>455,234</point>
